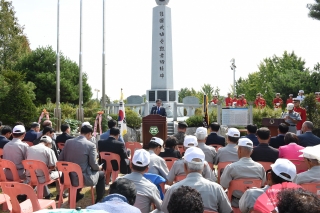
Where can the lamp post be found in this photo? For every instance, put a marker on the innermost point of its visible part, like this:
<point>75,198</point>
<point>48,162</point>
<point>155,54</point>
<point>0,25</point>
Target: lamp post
<point>233,67</point>
<point>80,110</point>
<point>57,111</point>
<point>96,90</point>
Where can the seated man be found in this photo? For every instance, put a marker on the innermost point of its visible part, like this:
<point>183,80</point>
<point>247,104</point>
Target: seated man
<point>230,152</point>
<point>308,138</point>
<point>43,152</point>
<point>83,152</point>
<point>312,159</point>
<point>278,140</point>
<point>111,123</point>
<point>171,148</point>
<point>283,170</point>
<point>182,128</point>
<point>243,168</point>
<point>251,134</point>
<point>32,134</point>
<point>184,200</point>
<point>6,132</point>
<point>157,164</point>
<point>65,129</point>
<point>263,152</point>
<point>48,131</point>
<point>213,137</point>
<point>213,196</point>
<point>147,191</point>
<point>16,151</point>
<point>46,123</point>
<point>113,145</point>
<point>209,151</point>
<point>178,166</point>
<point>121,198</point>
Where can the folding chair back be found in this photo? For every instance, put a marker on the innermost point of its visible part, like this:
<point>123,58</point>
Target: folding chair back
<point>133,146</point>
<point>312,187</point>
<point>242,185</point>
<point>108,157</point>
<point>170,161</point>
<point>266,165</point>
<point>6,164</point>
<point>221,166</point>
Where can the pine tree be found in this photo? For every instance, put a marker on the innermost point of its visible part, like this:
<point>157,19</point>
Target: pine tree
<point>314,10</point>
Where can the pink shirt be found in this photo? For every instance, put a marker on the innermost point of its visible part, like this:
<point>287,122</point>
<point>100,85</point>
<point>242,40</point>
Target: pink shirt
<point>290,151</point>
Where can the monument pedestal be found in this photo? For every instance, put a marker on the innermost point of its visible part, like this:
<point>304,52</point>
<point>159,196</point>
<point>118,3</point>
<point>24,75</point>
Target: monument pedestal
<point>153,126</point>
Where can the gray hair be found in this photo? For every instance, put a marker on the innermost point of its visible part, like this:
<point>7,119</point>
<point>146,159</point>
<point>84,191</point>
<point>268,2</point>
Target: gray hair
<point>194,166</point>
<point>308,124</point>
<point>201,136</point>
<point>245,149</point>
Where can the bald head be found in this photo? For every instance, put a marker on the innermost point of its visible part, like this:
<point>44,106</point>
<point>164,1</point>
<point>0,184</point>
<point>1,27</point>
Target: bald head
<point>307,126</point>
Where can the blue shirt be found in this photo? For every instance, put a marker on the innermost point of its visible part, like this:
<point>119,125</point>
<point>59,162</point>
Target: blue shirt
<point>253,138</point>
<point>106,135</point>
<point>115,203</point>
<point>31,135</point>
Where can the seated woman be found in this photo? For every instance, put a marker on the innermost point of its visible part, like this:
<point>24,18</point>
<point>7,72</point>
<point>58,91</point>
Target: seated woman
<point>291,150</point>
<point>171,148</point>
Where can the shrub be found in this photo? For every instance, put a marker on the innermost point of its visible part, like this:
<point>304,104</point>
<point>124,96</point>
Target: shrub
<point>195,121</point>
<point>266,112</point>
<point>74,124</point>
<point>133,119</point>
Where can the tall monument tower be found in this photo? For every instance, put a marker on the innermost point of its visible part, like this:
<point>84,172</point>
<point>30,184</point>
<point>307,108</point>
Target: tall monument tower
<point>162,71</point>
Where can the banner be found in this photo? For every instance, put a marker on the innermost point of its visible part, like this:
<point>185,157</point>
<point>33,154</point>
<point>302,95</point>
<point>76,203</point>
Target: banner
<point>122,124</point>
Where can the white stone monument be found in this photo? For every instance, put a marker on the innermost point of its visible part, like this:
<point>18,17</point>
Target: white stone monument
<point>162,72</point>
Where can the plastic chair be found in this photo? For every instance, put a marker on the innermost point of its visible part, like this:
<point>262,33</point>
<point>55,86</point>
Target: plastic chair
<point>300,165</point>
<point>221,166</point>
<point>6,164</point>
<point>216,146</point>
<point>108,157</point>
<point>60,145</point>
<point>170,161</point>
<point>32,166</point>
<point>133,146</point>
<point>1,153</point>
<point>29,143</point>
<point>67,168</point>
<point>211,165</point>
<point>179,178</point>
<point>181,149</point>
<point>32,204</point>
<point>266,165</point>
<point>312,187</point>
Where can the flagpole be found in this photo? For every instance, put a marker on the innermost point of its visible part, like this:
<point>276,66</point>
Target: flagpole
<point>57,110</point>
<point>104,58</point>
<point>80,115</point>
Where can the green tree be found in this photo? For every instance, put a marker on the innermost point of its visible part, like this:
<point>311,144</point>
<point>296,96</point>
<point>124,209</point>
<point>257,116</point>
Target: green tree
<point>13,43</point>
<point>40,68</point>
<point>16,105</point>
<point>314,10</point>
<point>184,92</point>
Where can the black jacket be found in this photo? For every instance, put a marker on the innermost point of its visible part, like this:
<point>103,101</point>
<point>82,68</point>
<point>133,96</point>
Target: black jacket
<point>63,138</point>
<point>154,110</point>
<point>265,153</point>
<point>170,153</point>
<point>308,139</point>
<point>3,141</point>
<point>214,138</point>
<point>117,147</point>
<point>277,141</point>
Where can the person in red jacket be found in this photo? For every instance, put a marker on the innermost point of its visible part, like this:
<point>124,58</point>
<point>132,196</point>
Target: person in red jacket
<point>277,102</point>
<point>235,99</point>
<point>257,101</point>
<point>228,100</point>
<point>244,100</point>
<point>317,96</point>
<point>215,99</point>
<point>302,112</point>
<point>240,101</point>
<point>263,102</point>
<point>289,100</point>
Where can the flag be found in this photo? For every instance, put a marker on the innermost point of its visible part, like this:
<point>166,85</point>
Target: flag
<point>122,124</point>
<point>205,112</point>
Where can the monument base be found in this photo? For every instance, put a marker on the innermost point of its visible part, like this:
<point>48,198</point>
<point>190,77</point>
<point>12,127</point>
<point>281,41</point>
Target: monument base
<point>168,97</point>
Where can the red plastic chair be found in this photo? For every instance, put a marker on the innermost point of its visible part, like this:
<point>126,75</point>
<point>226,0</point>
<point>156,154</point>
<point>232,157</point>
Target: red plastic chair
<point>170,161</point>
<point>221,166</point>
<point>312,187</point>
<point>216,146</point>
<point>32,166</point>
<point>32,204</point>
<point>181,149</point>
<point>242,185</point>
<point>6,164</point>
<point>60,145</point>
<point>300,165</point>
<point>179,178</point>
<point>29,143</point>
<point>133,146</point>
<point>211,165</point>
<point>108,157</point>
<point>266,165</point>
<point>67,168</point>
<point>1,153</point>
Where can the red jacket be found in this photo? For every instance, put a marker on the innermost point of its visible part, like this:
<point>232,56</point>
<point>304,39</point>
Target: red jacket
<point>303,115</point>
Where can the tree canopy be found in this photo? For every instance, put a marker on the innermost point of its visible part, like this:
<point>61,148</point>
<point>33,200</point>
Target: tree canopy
<point>40,68</point>
<point>314,10</point>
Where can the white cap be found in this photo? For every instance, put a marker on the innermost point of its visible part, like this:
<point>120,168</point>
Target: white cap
<point>246,142</point>
<point>192,153</point>
<point>233,132</point>
<point>201,131</point>
<point>19,129</point>
<point>158,141</point>
<point>46,139</point>
<point>284,166</point>
<point>190,141</point>
<point>301,91</point>
<point>86,124</point>
<point>277,93</point>
<point>290,106</point>
<point>141,158</point>
<point>311,152</point>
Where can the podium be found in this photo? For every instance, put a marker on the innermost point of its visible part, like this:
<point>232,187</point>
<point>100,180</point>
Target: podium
<point>153,126</point>
<point>272,124</point>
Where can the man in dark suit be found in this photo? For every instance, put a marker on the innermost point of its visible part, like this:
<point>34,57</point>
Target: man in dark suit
<point>113,145</point>
<point>251,134</point>
<point>263,152</point>
<point>65,128</point>
<point>308,138</point>
<point>32,134</point>
<point>5,135</point>
<point>214,138</point>
<point>82,151</point>
<point>158,109</point>
<point>278,140</point>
